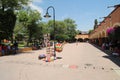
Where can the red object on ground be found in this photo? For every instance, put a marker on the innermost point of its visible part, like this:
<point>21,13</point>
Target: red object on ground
<point>73,66</point>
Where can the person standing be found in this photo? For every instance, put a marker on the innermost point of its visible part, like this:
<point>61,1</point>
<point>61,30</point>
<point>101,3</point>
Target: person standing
<point>16,47</point>
<point>0,49</point>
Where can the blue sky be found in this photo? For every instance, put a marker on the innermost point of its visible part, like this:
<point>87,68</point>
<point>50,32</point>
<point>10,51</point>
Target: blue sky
<point>84,12</point>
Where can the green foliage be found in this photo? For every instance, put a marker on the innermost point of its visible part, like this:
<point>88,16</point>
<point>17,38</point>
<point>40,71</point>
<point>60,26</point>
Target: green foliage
<point>78,32</point>
<point>61,37</point>
<point>64,30</point>
<point>30,20</point>
<point>7,16</point>
<point>12,4</point>
<point>114,33</point>
<point>7,23</point>
<point>117,32</point>
<point>95,24</point>
<point>71,28</point>
<point>90,31</point>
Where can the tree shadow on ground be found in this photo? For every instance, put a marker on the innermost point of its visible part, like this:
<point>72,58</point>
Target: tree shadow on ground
<point>109,55</point>
<point>19,53</point>
<point>28,52</point>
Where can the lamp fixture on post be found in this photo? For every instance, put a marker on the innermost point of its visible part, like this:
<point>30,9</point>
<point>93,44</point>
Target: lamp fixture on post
<point>48,16</point>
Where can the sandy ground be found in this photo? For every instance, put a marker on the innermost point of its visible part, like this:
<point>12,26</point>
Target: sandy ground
<point>77,62</point>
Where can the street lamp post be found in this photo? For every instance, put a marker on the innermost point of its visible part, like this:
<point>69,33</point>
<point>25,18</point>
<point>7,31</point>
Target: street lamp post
<point>48,16</point>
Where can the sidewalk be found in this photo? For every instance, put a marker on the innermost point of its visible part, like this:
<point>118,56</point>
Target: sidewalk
<point>116,60</point>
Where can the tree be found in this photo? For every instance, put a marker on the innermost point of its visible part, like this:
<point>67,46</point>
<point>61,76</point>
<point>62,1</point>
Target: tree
<point>90,31</point>
<point>7,16</point>
<point>12,4</point>
<point>38,35</point>
<point>7,23</point>
<point>59,29</point>
<point>29,19</point>
<point>95,24</point>
<point>64,30</point>
<point>78,32</point>
<point>70,29</point>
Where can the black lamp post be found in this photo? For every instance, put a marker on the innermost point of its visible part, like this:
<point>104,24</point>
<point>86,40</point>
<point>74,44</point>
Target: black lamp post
<point>48,16</point>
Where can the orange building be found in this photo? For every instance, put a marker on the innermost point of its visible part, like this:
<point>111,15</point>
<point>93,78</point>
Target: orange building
<point>82,37</point>
<point>113,19</point>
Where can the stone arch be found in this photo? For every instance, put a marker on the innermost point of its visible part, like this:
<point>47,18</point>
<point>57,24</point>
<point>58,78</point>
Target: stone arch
<point>86,39</point>
<point>97,36</point>
<point>103,34</point>
<point>80,39</point>
<point>100,35</point>
<point>116,24</point>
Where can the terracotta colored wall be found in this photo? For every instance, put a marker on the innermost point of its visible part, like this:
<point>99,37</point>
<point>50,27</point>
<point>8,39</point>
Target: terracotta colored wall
<point>110,21</point>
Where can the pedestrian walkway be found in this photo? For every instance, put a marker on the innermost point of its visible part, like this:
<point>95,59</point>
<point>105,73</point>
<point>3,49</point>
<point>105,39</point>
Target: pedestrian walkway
<point>76,62</point>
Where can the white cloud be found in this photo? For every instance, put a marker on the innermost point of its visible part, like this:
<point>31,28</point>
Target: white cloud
<point>38,8</point>
<point>37,1</point>
<point>35,7</point>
